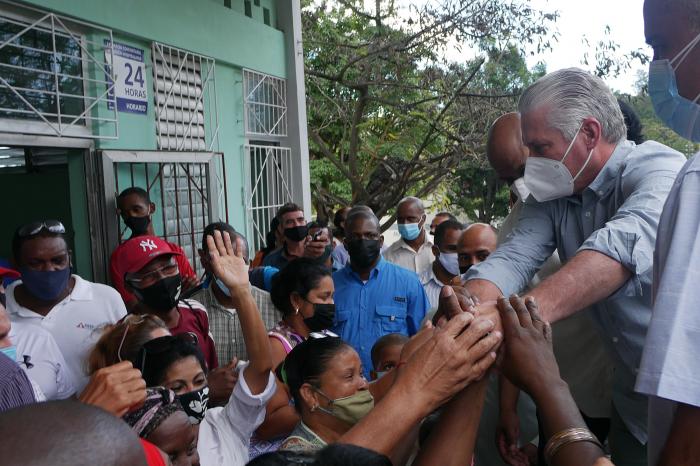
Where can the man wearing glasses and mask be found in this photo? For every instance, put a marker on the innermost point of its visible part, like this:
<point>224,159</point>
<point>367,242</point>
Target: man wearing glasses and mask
<point>153,277</point>
<point>49,296</point>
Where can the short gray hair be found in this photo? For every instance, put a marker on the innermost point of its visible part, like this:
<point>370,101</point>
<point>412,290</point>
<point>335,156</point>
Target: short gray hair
<point>573,95</point>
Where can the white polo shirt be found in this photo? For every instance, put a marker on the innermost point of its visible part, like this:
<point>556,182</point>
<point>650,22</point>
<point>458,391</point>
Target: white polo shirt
<point>39,356</point>
<point>75,323</point>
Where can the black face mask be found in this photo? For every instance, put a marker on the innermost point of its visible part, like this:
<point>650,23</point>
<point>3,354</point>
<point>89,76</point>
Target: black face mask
<point>138,225</point>
<point>363,252</point>
<point>463,269</point>
<point>162,295</point>
<point>322,318</point>
<point>296,234</point>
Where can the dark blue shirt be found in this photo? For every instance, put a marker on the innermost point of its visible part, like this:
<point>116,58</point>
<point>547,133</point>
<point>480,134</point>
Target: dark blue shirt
<point>392,301</point>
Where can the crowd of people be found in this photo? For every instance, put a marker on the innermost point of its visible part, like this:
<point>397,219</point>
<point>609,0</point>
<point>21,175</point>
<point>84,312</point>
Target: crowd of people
<point>328,347</point>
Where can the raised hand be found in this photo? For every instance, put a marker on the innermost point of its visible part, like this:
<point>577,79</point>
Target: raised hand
<point>316,247</point>
<point>528,359</point>
<point>227,261</point>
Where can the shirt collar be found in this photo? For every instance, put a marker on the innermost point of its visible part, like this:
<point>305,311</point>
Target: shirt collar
<point>372,274</point>
<point>402,244</point>
<point>82,291</point>
<point>429,276</point>
<point>607,176</point>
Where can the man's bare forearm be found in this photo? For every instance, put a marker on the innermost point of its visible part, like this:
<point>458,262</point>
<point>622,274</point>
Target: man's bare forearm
<point>587,278</point>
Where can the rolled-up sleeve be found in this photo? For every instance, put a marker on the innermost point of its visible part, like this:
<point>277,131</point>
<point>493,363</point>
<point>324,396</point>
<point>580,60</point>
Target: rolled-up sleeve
<point>629,236</point>
<point>526,248</point>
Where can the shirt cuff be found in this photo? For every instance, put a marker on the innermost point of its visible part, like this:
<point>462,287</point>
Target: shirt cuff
<point>243,393</point>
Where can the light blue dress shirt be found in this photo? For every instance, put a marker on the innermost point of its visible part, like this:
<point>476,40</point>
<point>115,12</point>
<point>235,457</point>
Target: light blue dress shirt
<point>670,369</point>
<point>617,215</point>
<point>392,301</point>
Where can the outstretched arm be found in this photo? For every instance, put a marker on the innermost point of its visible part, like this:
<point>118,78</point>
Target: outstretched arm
<point>228,266</point>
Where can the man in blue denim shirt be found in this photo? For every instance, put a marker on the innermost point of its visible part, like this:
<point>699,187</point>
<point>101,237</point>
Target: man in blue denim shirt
<point>596,198</point>
<point>373,297</point>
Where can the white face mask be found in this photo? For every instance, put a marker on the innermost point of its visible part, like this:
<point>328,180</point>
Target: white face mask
<point>449,262</point>
<point>520,189</point>
<point>549,179</point>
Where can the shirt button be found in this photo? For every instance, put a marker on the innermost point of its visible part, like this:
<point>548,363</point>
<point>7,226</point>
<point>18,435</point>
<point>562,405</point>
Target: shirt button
<point>600,193</point>
<point>615,339</point>
<point>588,214</point>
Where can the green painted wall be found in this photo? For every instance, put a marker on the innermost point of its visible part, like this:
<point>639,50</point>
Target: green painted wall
<point>205,27</point>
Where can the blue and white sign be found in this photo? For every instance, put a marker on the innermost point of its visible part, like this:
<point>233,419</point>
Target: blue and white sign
<point>130,88</point>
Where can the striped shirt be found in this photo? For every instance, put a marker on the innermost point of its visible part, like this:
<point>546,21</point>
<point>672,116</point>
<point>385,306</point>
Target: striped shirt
<point>225,327</point>
<point>15,388</point>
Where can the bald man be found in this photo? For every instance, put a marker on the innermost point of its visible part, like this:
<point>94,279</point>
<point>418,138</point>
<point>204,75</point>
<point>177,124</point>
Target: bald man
<point>590,378</point>
<point>413,251</point>
<point>68,432</point>
<point>475,244</point>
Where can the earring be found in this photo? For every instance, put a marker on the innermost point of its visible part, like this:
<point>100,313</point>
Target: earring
<point>297,311</point>
<point>314,408</point>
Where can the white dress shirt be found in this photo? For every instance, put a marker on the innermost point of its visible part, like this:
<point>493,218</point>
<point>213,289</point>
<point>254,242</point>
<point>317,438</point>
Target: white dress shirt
<point>405,256</point>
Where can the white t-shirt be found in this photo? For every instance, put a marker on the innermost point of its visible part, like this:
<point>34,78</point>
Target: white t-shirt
<point>224,434</point>
<point>39,356</point>
<point>75,323</point>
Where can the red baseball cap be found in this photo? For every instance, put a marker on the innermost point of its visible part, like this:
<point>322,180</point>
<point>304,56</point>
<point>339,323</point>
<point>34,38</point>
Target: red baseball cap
<point>8,273</point>
<point>138,252</point>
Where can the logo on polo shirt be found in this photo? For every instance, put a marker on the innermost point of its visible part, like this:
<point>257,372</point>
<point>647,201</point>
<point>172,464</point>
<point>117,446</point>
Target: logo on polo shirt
<point>148,243</point>
<point>87,326</point>
<point>399,299</point>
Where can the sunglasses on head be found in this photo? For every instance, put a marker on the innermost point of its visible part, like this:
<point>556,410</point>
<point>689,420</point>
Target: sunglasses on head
<point>34,228</point>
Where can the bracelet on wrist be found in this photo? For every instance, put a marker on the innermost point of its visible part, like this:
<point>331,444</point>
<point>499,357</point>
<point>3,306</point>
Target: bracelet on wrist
<point>566,437</point>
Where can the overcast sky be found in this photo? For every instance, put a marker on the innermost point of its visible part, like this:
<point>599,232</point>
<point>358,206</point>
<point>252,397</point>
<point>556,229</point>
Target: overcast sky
<point>588,18</point>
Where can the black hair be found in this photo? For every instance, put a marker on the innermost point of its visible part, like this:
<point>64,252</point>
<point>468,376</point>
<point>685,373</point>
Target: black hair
<point>224,227</point>
<point>336,454</point>
<point>387,340</point>
<point>301,276</point>
<point>18,241</point>
<point>360,212</point>
<point>140,192</point>
<point>271,237</point>
<point>307,362</point>
<point>441,230</point>
<point>446,214</point>
<point>341,454</point>
<point>337,220</point>
<point>286,208</point>
<point>632,122</point>
<point>159,354</point>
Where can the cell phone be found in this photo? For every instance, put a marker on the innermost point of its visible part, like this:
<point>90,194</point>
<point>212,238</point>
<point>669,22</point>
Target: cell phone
<point>317,235</point>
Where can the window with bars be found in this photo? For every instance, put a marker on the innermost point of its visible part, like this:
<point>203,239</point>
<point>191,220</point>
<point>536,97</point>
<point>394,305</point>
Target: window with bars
<point>185,100</point>
<point>269,173</point>
<point>45,61</point>
<point>265,100</point>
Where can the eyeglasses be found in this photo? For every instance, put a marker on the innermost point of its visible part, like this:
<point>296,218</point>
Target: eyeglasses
<point>161,345</point>
<point>149,278</point>
<point>371,236</point>
<point>31,229</point>
<point>129,321</point>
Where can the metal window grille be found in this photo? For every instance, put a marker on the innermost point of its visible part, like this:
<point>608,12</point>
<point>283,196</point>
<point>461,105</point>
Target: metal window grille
<point>185,100</point>
<point>269,173</point>
<point>187,188</point>
<point>45,64</point>
<point>265,99</point>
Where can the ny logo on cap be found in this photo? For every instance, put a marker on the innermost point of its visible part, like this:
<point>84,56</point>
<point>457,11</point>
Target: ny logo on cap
<point>148,243</point>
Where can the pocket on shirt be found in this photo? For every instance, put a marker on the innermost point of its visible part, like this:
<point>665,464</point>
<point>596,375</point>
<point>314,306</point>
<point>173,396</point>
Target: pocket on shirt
<point>391,318</point>
<point>341,318</point>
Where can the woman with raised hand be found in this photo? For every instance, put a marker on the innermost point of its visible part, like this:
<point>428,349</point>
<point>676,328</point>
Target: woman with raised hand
<point>177,363</point>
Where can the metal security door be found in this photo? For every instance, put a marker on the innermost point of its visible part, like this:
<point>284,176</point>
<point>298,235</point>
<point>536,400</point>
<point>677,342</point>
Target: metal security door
<point>188,188</point>
<point>268,176</point>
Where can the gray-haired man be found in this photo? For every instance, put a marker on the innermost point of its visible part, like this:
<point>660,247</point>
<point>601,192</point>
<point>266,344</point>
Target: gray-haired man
<point>596,198</point>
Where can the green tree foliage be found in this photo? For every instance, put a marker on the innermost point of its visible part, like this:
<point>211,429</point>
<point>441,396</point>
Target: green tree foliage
<point>389,114</point>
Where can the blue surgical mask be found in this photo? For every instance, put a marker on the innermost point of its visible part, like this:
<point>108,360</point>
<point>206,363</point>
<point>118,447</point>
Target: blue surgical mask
<point>10,352</point>
<point>409,231</point>
<point>677,112</point>
<point>46,285</point>
<point>223,288</point>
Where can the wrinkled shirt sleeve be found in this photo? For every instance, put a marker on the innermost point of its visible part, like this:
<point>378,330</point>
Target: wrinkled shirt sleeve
<point>629,236</point>
<point>526,248</point>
